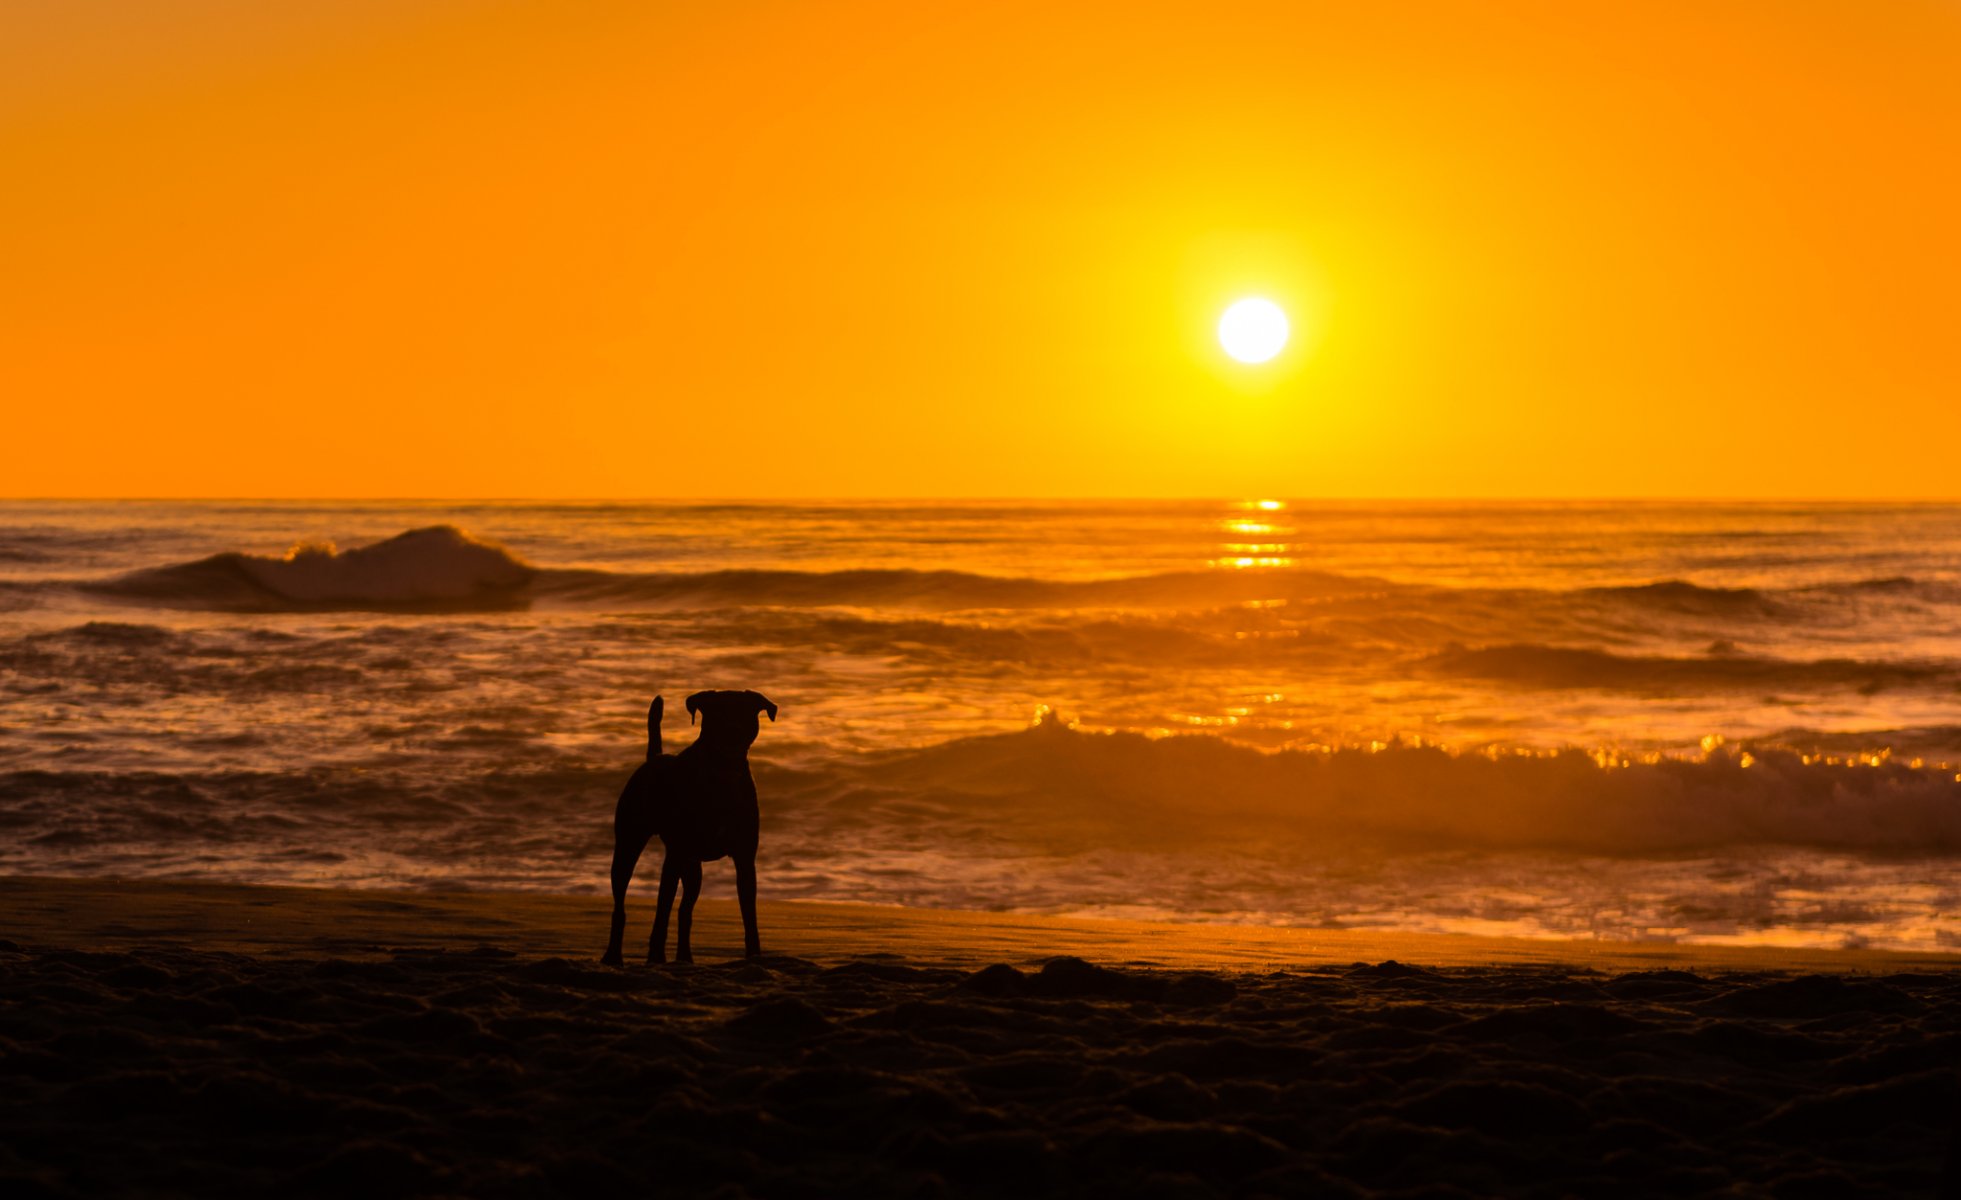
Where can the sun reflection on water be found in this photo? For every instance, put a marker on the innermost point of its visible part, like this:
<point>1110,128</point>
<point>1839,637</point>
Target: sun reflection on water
<point>1240,554</point>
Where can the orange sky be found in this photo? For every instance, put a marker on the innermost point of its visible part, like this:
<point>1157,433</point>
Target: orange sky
<point>436,248</point>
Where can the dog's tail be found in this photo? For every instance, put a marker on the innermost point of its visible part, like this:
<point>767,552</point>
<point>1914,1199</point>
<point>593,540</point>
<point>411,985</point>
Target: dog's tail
<point>653,730</point>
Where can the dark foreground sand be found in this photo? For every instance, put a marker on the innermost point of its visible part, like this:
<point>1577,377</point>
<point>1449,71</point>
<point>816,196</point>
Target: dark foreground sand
<point>195,1040</point>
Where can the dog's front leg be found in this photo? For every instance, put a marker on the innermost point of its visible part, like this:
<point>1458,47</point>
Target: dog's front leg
<point>745,892</point>
<point>627,845</point>
<point>690,892</point>
<point>670,878</point>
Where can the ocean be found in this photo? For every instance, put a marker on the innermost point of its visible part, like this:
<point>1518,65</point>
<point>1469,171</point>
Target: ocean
<point>1675,722</point>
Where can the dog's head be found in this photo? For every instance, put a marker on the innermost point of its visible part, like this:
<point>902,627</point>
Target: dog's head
<point>729,717</point>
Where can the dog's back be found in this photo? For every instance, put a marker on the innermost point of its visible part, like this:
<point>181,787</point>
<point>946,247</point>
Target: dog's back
<point>649,790</point>
<point>700,801</point>
<point>716,813</point>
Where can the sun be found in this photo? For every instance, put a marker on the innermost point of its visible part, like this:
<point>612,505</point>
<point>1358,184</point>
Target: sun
<point>1253,330</point>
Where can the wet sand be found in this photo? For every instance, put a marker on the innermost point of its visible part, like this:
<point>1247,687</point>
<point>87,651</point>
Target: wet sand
<point>191,1039</point>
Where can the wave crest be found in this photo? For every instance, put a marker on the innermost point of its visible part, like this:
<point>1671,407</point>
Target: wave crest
<point>1533,665</point>
<point>1681,596</point>
<point>1060,789</point>
<point>942,590</point>
<point>440,567</point>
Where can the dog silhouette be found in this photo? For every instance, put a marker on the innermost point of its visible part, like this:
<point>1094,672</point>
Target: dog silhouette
<point>702,805</point>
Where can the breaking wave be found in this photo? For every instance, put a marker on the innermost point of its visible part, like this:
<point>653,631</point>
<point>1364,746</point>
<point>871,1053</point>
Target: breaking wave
<point>1059,789</point>
<point>439,568</point>
<point>1203,812</point>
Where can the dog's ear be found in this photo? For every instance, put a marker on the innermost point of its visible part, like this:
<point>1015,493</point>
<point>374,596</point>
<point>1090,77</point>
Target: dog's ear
<point>695,702</point>
<point>762,702</point>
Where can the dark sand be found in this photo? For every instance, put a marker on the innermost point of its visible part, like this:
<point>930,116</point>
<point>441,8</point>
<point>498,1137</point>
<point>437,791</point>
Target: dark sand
<point>205,1040</point>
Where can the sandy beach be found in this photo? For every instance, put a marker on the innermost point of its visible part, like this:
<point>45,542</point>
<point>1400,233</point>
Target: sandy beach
<point>186,1039</point>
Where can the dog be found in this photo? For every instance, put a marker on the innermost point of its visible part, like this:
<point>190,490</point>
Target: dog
<point>702,805</point>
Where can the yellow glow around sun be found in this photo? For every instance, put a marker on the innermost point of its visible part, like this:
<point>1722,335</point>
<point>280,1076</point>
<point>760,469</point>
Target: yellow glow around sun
<point>1253,330</point>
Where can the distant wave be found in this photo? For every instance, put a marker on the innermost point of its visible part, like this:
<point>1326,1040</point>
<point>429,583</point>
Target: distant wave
<point>15,597</point>
<point>326,580</point>
<point>900,587</point>
<point>1199,619</point>
<point>1676,595</point>
<point>1210,588</point>
<point>1068,642</point>
<point>439,567</point>
<point>1039,652</point>
<point>443,568</point>
<point>1565,667</point>
<point>939,589</point>
<point>1385,640</point>
<point>1052,787</point>
<point>1891,583</point>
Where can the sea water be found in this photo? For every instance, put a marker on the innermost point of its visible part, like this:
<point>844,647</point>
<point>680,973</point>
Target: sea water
<point>1698,723</point>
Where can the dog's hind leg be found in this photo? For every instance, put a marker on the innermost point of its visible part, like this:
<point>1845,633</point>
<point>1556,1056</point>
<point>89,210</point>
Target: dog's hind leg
<point>690,892</point>
<point>670,878</point>
<point>627,845</point>
<point>745,891</point>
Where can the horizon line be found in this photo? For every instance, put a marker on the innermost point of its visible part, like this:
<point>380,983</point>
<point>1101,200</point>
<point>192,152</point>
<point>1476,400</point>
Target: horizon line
<point>1247,497</point>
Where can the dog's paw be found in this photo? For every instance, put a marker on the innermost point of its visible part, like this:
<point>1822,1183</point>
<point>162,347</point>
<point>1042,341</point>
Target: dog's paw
<point>611,959</point>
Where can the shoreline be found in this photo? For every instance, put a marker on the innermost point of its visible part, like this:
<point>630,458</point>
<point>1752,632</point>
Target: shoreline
<point>287,921</point>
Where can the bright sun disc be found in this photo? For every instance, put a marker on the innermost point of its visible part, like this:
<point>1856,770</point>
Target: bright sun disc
<point>1253,330</point>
